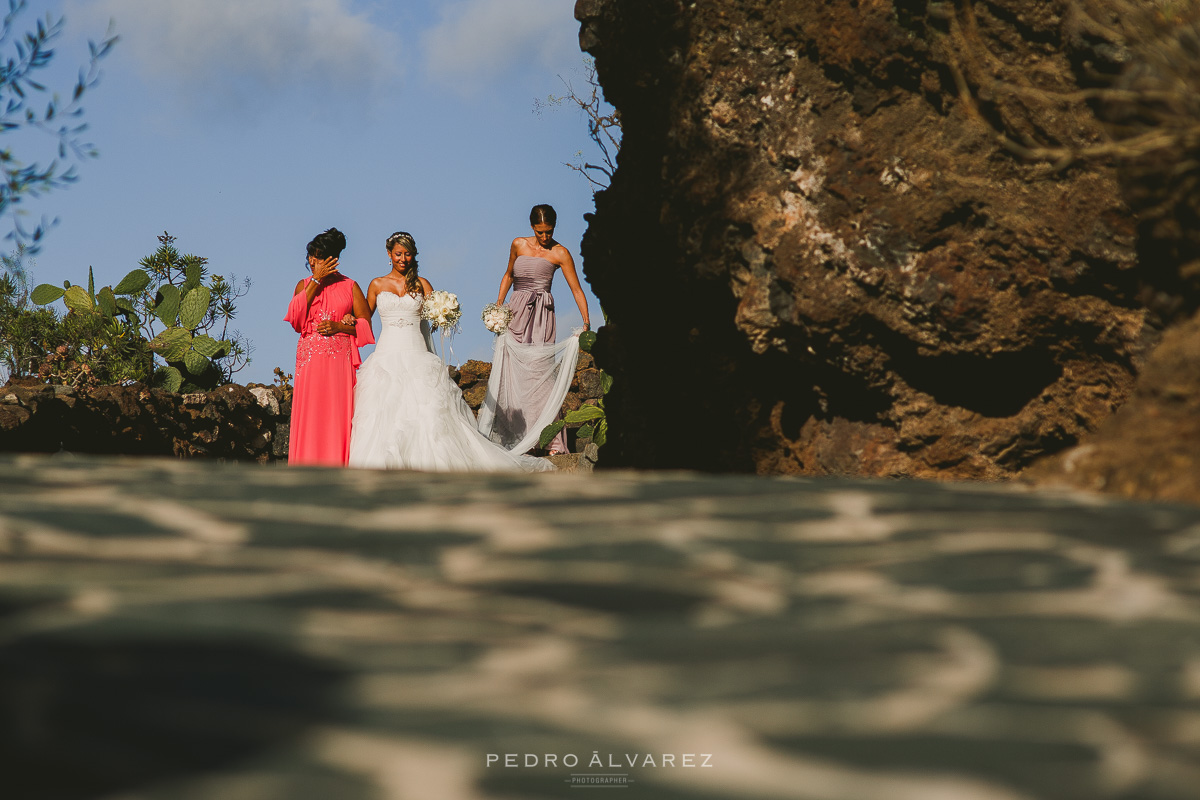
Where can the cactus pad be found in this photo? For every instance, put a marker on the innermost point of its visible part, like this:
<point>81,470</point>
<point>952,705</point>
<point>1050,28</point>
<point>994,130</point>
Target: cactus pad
<point>194,307</point>
<point>166,306</point>
<point>196,364</point>
<point>132,283</point>
<point>77,299</point>
<point>45,293</point>
<point>107,302</point>
<point>172,343</point>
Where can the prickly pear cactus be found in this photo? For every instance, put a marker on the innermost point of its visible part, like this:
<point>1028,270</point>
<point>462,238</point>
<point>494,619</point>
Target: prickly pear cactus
<point>190,356</point>
<point>109,301</point>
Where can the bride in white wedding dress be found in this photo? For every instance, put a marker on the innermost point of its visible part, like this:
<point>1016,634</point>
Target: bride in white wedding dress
<point>408,414</point>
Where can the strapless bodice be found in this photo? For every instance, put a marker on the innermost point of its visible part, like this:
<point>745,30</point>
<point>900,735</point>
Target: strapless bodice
<point>402,325</point>
<point>396,310</point>
<point>532,274</point>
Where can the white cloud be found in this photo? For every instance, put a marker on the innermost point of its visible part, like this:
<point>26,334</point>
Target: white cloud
<point>479,39</point>
<point>240,48</point>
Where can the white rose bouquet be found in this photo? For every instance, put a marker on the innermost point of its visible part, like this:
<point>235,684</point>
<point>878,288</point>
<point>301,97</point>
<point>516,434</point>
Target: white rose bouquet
<point>441,309</point>
<point>496,317</point>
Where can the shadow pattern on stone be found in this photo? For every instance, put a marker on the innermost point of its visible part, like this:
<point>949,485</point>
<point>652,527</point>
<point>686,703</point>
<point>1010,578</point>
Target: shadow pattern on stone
<point>178,629</point>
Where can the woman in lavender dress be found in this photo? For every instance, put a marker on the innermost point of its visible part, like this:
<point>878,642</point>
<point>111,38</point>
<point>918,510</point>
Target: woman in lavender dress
<point>532,261</point>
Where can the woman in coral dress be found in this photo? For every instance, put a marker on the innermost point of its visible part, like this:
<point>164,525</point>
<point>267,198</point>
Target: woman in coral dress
<point>326,356</point>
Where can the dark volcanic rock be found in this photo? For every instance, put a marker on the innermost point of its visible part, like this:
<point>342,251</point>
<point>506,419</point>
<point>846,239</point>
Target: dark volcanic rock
<point>233,422</point>
<point>1148,448</point>
<point>855,278</point>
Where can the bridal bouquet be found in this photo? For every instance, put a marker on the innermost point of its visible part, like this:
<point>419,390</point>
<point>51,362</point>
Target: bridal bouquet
<point>496,317</point>
<point>441,309</point>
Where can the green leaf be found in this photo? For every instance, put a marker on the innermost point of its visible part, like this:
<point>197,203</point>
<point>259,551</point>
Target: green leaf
<point>126,307</point>
<point>584,414</point>
<point>77,299</point>
<point>193,307</point>
<point>107,301</point>
<point>166,304</point>
<point>168,378</point>
<point>193,272</point>
<point>585,432</point>
<point>172,343</point>
<point>207,346</point>
<point>195,363</point>
<point>549,432</point>
<point>132,283</point>
<point>45,293</point>
<point>605,382</point>
<point>601,434</point>
<point>91,286</point>
<point>586,340</point>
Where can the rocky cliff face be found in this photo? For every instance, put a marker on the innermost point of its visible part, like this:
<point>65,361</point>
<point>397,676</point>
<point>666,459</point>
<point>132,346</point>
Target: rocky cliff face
<point>815,223</point>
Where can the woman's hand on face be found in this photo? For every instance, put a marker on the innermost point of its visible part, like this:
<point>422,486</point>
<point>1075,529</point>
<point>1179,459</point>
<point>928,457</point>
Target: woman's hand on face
<point>324,268</point>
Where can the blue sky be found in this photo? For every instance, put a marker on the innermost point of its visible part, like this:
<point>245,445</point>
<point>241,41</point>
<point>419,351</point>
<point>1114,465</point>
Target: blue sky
<point>245,127</point>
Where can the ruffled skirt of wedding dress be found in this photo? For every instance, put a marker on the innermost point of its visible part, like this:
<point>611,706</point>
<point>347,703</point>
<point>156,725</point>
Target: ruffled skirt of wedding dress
<point>408,414</point>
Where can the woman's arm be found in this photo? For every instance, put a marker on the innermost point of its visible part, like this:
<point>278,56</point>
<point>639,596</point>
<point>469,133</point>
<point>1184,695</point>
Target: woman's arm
<point>373,290</point>
<point>321,271</point>
<point>362,309</point>
<point>507,280</point>
<point>297,312</point>
<point>568,271</point>
<point>360,329</point>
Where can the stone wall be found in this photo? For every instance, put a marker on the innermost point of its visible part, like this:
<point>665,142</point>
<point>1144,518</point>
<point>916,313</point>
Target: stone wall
<point>232,423</point>
<point>817,258</point>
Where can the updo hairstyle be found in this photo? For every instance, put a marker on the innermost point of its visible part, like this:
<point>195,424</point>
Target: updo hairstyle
<point>543,214</point>
<point>329,244</point>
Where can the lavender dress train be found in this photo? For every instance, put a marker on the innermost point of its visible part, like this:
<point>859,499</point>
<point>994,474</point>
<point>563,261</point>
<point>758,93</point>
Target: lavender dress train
<point>530,372</point>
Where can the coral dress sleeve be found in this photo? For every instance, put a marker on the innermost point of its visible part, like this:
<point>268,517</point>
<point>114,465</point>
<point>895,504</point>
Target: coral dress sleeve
<point>363,335</point>
<point>297,313</point>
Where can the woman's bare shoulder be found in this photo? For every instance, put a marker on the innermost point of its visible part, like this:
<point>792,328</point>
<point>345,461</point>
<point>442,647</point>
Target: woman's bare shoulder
<point>300,286</point>
<point>560,254</point>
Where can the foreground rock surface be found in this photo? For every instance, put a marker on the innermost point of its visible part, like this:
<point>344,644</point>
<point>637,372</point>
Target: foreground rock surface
<point>852,273</point>
<point>180,629</point>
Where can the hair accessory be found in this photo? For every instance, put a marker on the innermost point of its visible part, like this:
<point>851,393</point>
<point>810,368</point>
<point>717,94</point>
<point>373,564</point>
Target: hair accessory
<point>402,238</point>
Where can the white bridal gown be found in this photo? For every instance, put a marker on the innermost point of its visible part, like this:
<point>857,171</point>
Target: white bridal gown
<point>408,414</point>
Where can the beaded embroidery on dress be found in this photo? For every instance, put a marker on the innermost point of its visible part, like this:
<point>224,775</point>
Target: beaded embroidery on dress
<point>408,414</point>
